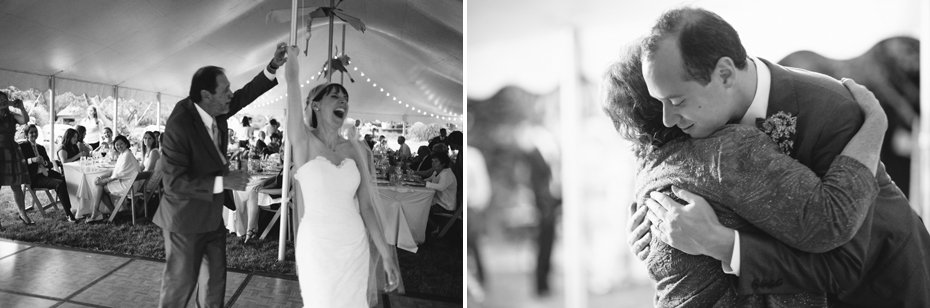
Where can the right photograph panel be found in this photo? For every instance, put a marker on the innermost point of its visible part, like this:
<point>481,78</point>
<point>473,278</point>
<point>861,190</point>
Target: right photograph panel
<point>697,154</point>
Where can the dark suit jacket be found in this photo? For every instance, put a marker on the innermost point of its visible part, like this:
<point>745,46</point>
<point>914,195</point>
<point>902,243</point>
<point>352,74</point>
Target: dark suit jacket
<point>28,153</point>
<point>191,163</point>
<point>885,264</point>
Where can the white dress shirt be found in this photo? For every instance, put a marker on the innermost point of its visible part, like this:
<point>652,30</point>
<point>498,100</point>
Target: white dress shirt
<point>208,123</point>
<point>757,109</point>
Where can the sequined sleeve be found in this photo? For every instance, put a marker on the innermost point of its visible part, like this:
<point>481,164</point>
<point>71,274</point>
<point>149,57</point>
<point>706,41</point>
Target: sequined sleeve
<point>785,199</point>
<point>740,172</point>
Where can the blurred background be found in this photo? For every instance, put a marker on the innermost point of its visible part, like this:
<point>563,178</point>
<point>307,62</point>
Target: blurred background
<point>552,231</point>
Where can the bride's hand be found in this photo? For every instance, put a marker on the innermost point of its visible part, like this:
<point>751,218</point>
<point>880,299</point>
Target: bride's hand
<point>292,68</point>
<point>870,106</point>
<point>393,274</point>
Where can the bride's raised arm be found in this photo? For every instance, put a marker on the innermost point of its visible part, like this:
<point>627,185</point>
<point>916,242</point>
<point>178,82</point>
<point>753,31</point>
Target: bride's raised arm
<point>297,131</point>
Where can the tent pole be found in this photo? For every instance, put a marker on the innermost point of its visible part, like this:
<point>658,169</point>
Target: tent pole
<point>285,187</point>
<point>158,110</point>
<point>115,110</point>
<point>342,76</point>
<point>329,60</point>
<point>51,114</point>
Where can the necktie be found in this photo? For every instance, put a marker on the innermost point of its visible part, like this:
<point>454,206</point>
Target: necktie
<point>216,141</point>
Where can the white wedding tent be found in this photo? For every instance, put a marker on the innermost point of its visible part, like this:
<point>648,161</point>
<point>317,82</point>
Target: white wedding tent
<point>410,51</point>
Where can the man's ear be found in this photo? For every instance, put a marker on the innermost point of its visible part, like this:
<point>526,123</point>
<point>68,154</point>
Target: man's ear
<point>204,94</point>
<point>726,70</point>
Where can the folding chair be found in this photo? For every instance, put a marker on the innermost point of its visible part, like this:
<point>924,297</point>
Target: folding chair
<point>452,218</point>
<point>53,201</point>
<point>132,193</point>
<point>277,214</point>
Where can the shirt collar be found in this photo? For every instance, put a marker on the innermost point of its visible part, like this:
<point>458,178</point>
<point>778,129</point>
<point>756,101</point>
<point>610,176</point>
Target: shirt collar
<point>760,102</point>
<point>206,117</point>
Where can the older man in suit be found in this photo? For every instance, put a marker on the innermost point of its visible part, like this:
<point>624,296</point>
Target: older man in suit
<point>695,64</point>
<point>196,174</point>
<point>41,169</point>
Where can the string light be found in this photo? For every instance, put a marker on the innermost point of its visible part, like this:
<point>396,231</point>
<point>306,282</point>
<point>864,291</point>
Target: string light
<point>432,97</point>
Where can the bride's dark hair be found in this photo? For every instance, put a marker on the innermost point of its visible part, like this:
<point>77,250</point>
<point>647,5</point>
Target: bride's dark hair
<point>317,94</point>
<point>636,115</point>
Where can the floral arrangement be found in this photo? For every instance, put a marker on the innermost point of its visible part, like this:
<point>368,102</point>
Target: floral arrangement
<point>781,128</point>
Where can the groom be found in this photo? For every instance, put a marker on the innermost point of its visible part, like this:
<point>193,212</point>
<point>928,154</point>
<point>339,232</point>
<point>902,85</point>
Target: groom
<point>195,177</point>
<point>695,64</point>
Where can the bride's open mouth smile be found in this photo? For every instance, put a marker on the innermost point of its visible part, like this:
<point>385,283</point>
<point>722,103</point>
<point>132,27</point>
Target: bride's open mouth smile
<point>340,112</point>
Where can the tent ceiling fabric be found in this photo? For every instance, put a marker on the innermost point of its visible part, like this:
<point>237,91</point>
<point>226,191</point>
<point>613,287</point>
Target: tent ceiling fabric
<point>412,48</point>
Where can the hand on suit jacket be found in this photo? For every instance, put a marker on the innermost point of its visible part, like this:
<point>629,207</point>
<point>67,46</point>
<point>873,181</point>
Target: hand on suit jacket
<point>236,180</point>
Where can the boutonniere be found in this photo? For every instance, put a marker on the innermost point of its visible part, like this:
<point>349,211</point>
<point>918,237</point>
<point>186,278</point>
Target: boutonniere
<point>781,128</point>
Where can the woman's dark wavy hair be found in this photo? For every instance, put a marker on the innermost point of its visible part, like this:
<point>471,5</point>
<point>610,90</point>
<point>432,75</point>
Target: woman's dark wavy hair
<point>636,115</point>
<point>444,160</point>
<point>66,140</point>
<point>317,95</point>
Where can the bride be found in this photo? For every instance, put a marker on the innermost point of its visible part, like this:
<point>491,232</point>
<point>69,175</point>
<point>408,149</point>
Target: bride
<point>332,246</point>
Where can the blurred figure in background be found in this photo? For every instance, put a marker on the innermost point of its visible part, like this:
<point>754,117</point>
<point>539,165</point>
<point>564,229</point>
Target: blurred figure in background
<point>891,69</point>
<point>403,150</point>
<point>479,193</point>
<point>421,161</point>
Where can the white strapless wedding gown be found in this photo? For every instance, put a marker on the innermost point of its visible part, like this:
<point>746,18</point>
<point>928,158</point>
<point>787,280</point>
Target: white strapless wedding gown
<point>332,244</point>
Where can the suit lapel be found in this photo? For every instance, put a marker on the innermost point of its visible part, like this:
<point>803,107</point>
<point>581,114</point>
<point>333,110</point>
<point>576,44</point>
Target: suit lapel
<point>782,96</point>
<point>200,131</point>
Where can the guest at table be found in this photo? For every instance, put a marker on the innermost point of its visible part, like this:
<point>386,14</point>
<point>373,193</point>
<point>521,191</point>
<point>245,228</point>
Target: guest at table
<point>69,150</point>
<point>105,146</point>
<point>382,146</point>
<point>422,161</point>
<point>445,185</point>
<point>13,171</point>
<point>257,144</point>
<point>150,151</point>
<point>94,125</point>
<point>403,150</point>
<point>42,173</point>
<point>270,129</point>
<point>244,132</point>
<point>83,146</point>
<point>369,141</point>
<point>274,146</point>
<point>455,142</point>
<point>119,181</point>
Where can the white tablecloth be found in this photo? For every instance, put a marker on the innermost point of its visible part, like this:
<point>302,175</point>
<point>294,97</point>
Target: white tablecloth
<point>415,203</point>
<point>237,221</point>
<point>81,187</point>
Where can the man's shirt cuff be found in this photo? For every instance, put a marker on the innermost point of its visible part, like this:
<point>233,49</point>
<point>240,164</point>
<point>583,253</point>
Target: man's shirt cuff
<point>733,267</point>
<point>268,74</point>
<point>218,186</point>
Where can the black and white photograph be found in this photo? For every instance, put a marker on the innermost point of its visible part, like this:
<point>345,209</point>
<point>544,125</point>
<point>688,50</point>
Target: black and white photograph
<point>712,153</point>
<point>232,153</point>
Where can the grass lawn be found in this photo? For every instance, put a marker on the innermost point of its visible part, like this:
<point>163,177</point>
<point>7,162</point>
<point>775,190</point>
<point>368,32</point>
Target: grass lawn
<point>436,269</point>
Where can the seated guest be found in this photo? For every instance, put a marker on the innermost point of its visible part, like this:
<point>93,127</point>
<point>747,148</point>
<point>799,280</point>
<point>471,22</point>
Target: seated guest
<point>69,150</point>
<point>421,162</point>
<point>83,146</point>
<point>381,147</point>
<point>257,143</point>
<point>41,169</point>
<point>445,185</point>
<point>150,151</point>
<point>119,181</point>
<point>403,150</point>
<point>106,143</point>
<point>369,141</point>
<point>274,146</point>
